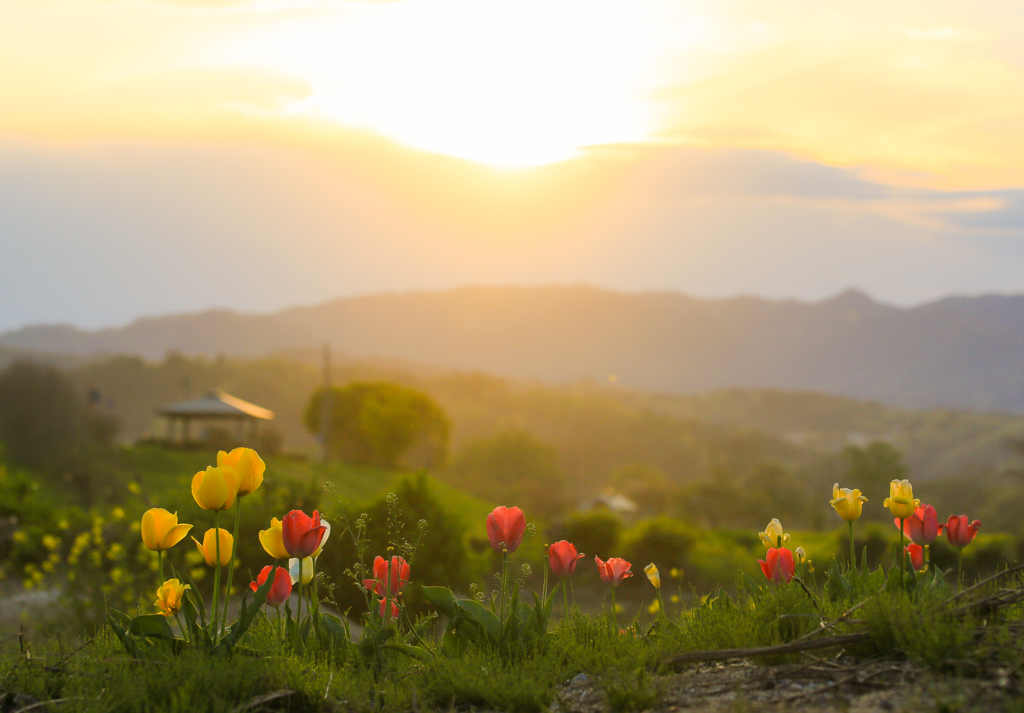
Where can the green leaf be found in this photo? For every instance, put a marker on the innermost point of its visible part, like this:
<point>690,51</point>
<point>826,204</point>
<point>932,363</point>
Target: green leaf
<point>118,621</point>
<point>409,650</point>
<point>246,614</point>
<point>151,626</point>
<point>442,598</point>
<point>475,612</point>
<point>193,593</point>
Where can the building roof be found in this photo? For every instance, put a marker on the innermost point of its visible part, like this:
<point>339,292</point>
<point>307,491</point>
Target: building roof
<point>612,501</point>
<point>216,404</point>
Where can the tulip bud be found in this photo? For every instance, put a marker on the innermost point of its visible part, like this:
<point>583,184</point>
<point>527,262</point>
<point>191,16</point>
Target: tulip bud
<point>249,466</point>
<point>773,535</point>
<point>901,501</point>
<point>169,597</point>
<point>215,488</point>
<point>848,503</point>
<point>653,575</point>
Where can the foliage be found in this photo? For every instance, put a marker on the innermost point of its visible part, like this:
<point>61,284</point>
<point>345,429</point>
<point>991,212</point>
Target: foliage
<point>512,467</point>
<point>595,532</point>
<point>663,540</point>
<point>872,468</point>
<point>377,423</point>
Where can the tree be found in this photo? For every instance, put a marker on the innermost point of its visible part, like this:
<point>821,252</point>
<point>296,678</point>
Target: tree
<point>870,470</point>
<point>512,468</point>
<point>42,417</point>
<point>379,423</point>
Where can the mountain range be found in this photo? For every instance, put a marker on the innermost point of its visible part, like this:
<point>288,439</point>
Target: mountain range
<point>957,352</point>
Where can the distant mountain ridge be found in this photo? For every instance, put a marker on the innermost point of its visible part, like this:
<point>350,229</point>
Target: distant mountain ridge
<point>955,352</point>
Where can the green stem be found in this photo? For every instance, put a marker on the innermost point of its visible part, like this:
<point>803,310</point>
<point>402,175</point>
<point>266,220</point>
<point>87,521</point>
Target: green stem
<point>853,550</point>
<point>565,599</point>
<point>298,611</point>
<point>903,553</point>
<point>231,565</point>
<point>661,604</point>
<point>959,568</point>
<point>615,613</point>
<point>504,583</point>
<point>316,597</point>
<point>216,575</point>
<point>160,559</point>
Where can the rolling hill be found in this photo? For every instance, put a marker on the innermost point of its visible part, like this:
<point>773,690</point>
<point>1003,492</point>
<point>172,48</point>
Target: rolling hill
<point>958,352</point>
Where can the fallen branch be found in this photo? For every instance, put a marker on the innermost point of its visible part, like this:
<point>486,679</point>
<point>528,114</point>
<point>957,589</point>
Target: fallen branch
<point>838,620</point>
<point>790,648</point>
<point>983,582</point>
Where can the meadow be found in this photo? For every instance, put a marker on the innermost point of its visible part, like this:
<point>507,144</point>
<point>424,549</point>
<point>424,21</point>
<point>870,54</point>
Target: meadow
<point>477,611</point>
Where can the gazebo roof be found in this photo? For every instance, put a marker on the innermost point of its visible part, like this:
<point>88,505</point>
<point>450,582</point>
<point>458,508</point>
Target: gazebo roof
<point>216,404</point>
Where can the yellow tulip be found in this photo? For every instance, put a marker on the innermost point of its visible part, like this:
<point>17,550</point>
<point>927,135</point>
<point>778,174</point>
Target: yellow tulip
<point>272,540</point>
<point>160,529</point>
<point>901,502</point>
<point>772,533</point>
<point>249,466</point>
<point>848,503</point>
<point>170,596</point>
<point>305,571</point>
<point>209,546</point>
<point>215,488</point>
<point>653,575</point>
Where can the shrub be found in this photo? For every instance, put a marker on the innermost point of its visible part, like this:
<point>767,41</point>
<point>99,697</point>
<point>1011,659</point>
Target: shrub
<point>595,533</point>
<point>664,541</point>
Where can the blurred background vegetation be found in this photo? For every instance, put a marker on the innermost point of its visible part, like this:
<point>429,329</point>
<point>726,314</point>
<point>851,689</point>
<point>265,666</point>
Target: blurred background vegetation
<point>683,481</point>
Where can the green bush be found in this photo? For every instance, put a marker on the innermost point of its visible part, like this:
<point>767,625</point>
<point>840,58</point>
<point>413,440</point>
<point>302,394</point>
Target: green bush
<point>595,532</point>
<point>663,541</point>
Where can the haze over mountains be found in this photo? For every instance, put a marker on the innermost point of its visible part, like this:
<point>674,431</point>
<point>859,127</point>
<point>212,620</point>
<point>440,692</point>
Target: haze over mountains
<point>956,352</point>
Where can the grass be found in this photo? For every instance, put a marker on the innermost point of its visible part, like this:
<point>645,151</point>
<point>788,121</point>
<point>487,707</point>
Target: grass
<point>625,666</point>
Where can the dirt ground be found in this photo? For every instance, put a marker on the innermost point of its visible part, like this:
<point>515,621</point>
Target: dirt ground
<point>818,686</point>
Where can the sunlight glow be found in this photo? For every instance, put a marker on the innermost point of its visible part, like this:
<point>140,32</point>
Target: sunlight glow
<point>508,83</point>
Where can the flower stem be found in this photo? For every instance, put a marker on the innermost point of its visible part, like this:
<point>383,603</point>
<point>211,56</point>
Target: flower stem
<point>959,568</point>
<point>231,565</point>
<point>853,550</point>
<point>504,580</point>
<point>216,574</point>
<point>160,559</point>
<point>565,599</point>
<point>903,553</point>
<point>615,612</point>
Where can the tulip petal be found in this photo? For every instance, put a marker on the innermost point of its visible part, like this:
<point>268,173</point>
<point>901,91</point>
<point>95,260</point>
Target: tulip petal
<point>175,535</point>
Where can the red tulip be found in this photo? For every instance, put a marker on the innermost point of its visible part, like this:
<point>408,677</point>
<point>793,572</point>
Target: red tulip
<point>562,555</point>
<point>916,553</point>
<point>506,525</point>
<point>922,527</point>
<point>383,608</point>
<point>302,534</point>
<point>958,532</point>
<point>395,583</point>
<point>280,590</point>
<point>779,566</point>
<point>614,570</point>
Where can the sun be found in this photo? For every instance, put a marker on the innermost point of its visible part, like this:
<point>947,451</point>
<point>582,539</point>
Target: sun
<point>506,83</point>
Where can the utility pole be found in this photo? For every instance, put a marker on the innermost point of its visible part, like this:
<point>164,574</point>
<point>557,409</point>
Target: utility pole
<point>326,407</point>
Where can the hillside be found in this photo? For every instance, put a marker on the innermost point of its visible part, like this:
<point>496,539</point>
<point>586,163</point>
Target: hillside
<point>594,428</point>
<point>957,352</point>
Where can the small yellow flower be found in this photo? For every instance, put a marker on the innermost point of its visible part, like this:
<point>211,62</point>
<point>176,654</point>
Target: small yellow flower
<point>653,575</point>
<point>249,466</point>
<point>160,529</point>
<point>169,597</point>
<point>209,546</point>
<point>675,573</point>
<point>901,501</point>
<point>20,536</point>
<point>773,535</point>
<point>215,488</point>
<point>848,503</point>
<point>272,540</point>
<point>801,558</point>
<point>674,598</point>
<point>117,513</point>
<point>655,607</point>
<point>50,542</point>
<point>134,488</point>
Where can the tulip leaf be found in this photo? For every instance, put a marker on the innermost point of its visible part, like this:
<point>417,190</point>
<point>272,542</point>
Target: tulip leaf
<point>478,614</point>
<point>442,598</point>
<point>246,614</point>
<point>197,599</point>
<point>118,621</point>
<point>151,626</point>
<point>409,650</point>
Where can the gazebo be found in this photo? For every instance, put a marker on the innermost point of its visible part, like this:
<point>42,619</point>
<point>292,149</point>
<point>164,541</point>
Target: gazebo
<point>217,406</point>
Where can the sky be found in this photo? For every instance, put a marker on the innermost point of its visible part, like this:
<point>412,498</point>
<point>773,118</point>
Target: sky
<point>164,156</point>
